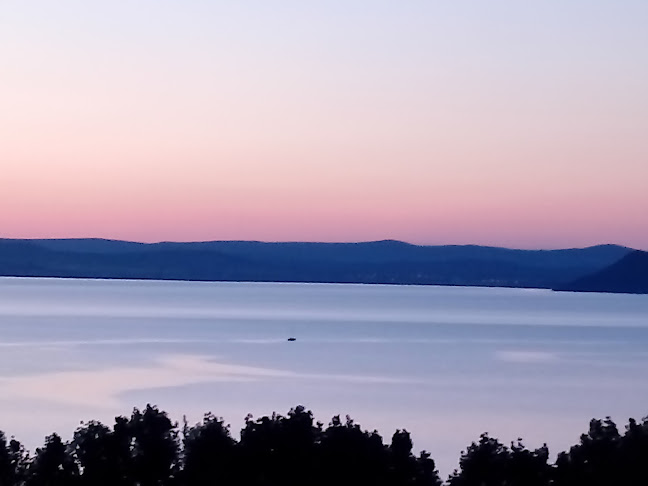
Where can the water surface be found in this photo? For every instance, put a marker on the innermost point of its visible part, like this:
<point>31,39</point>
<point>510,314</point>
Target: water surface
<point>446,363</point>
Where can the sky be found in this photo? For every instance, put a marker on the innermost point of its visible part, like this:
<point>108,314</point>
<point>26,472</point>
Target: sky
<point>508,123</point>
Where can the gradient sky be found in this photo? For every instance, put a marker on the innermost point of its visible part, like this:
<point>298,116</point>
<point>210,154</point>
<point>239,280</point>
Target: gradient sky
<point>520,124</point>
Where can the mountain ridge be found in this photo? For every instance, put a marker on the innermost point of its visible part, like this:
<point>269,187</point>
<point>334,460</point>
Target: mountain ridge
<point>382,261</point>
<point>628,275</point>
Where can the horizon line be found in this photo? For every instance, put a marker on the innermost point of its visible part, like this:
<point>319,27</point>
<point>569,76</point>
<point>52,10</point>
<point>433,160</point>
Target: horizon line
<point>386,240</point>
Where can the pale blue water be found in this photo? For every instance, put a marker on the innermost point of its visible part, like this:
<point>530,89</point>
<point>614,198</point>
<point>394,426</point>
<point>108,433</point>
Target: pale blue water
<point>447,363</point>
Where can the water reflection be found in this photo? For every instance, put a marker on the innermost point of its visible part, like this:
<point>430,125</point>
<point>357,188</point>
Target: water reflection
<point>446,363</point>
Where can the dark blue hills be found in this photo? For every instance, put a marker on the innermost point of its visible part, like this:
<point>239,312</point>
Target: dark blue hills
<point>629,275</point>
<point>388,261</point>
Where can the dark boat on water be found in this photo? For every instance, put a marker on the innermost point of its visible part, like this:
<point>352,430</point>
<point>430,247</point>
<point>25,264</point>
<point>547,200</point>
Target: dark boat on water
<point>292,339</point>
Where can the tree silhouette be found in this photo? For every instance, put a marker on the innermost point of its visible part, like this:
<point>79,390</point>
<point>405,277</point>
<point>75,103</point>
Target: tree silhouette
<point>282,449</point>
<point>634,454</point>
<point>145,450</point>
<point>209,452</point>
<point>13,461</point>
<point>482,464</point>
<point>102,456</point>
<point>528,467</point>
<point>351,456</point>
<point>595,460</point>
<point>427,474</point>
<point>155,450</point>
<point>405,469</point>
<point>53,465</point>
<point>490,463</point>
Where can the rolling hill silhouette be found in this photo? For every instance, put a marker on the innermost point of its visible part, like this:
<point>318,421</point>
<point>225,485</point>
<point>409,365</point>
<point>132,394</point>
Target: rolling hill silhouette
<point>388,262</point>
<point>629,275</point>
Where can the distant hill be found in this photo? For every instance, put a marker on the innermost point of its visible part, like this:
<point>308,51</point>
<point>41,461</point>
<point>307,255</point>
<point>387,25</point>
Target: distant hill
<point>390,262</point>
<point>628,275</point>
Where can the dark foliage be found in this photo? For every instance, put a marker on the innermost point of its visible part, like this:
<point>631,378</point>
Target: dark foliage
<point>53,465</point>
<point>13,462</point>
<point>155,447</point>
<point>209,452</point>
<point>147,449</point>
<point>490,463</point>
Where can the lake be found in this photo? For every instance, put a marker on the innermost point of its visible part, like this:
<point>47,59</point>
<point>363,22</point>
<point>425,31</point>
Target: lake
<point>446,363</point>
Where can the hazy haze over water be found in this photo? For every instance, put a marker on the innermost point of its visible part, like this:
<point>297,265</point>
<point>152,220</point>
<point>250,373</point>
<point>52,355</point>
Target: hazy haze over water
<point>447,363</point>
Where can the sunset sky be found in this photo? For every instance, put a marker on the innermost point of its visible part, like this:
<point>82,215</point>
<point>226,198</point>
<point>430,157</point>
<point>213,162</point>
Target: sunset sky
<point>502,122</point>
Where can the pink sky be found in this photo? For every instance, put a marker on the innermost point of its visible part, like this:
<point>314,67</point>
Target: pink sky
<point>329,122</point>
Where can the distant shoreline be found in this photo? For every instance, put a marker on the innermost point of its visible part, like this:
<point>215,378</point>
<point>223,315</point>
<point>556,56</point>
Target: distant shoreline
<point>116,279</point>
<point>288,282</point>
<point>385,262</point>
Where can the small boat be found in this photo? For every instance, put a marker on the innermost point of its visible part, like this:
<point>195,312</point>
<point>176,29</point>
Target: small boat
<point>292,339</point>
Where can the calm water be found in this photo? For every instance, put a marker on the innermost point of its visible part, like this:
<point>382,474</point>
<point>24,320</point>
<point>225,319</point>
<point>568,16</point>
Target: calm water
<point>446,363</point>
